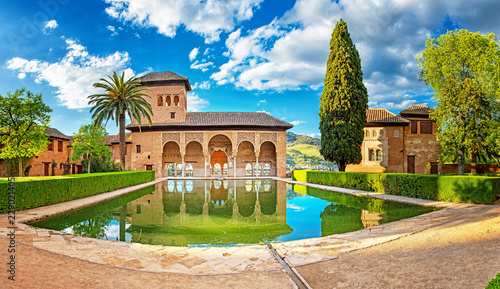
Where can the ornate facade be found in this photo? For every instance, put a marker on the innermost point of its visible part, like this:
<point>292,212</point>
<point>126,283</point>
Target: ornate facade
<point>201,144</point>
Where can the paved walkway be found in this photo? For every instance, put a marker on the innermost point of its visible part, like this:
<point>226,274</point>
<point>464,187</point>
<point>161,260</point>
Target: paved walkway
<point>222,260</point>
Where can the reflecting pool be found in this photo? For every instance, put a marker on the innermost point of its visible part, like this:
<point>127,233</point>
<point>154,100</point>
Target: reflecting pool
<point>228,212</point>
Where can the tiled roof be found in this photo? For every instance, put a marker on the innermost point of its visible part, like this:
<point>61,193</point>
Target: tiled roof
<point>115,139</point>
<point>225,119</point>
<point>56,133</point>
<point>417,109</point>
<point>382,115</point>
<point>165,76</point>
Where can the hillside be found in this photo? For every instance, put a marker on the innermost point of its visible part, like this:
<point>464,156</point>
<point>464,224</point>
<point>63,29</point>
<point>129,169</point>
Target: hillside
<point>303,152</point>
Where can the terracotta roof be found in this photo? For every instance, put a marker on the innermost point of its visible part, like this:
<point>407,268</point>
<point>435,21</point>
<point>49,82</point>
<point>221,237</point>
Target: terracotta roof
<point>417,109</point>
<point>223,119</point>
<point>165,76</point>
<point>382,115</point>
<point>56,133</point>
<point>115,139</point>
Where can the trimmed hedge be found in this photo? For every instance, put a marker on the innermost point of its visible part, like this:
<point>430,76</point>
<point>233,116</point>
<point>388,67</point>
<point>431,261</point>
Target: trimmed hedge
<point>495,283</point>
<point>33,192</point>
<point>461,189</point>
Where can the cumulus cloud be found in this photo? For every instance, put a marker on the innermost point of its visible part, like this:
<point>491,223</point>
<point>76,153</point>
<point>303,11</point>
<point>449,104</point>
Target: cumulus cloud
<point>315,135</point>
<point>202,85</point>
<point>193,53</point>
<point>206,18</point>
<point>290,52</point>
<point>297,122</point>
<point>112,29</point>
<point>203,66</point>
<point>195,103</point>
<point>74,74</point>
<point>262,101</point>
<point>49,26</point>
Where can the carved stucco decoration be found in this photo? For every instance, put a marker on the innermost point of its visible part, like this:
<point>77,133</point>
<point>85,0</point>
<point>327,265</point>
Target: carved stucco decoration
<point>246,136</point>
<point>194,136</point>
<point>168,136</point>
<point>266,136</point>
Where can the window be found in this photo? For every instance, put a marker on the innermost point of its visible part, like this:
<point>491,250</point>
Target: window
<point>60,166</point>
<point>381,133</point>
<point>396,133</point>
<point>267,170</point>
<point>149,167</point>
<point>138,147</point>
<point>160,100</point>
<point>426,127</point>
<point>138,209</point>
<point>217,169</point>
<point>59,146</point>
<point>379,156</point>
<point>367,133</point>
<point>171,170</point>
<point>168,101</point>
<point>374,133</point>
<point>172,115</point>
<point>51,145</point>
<point>413,127</point>
<point>224,169</point>
<point>179,170</point>
<point>189,170</point>
<point>248,170</point>
<point>371,155</point>
<point>176,100</point>
<point>258,169</point>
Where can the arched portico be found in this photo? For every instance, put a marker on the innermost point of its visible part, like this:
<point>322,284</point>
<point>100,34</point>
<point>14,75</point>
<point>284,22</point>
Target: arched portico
<point>171,158</point>
<point>267,159</point>
<point>220,150</point>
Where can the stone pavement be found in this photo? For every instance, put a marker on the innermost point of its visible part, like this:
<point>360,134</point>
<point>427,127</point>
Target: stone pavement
<point>219,260</point>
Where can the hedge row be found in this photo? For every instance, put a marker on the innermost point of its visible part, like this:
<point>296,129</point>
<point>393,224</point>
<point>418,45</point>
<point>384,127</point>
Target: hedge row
<point>33,192</point>
<point>461,189</point>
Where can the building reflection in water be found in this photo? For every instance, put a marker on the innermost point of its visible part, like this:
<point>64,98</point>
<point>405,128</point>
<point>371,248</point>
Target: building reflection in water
<point>190,212</point>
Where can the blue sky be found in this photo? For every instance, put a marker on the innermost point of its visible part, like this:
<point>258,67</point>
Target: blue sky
<point>245,55</point>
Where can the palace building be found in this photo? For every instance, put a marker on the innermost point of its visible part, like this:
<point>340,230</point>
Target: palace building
<point>201,144</point>
<point>404,143</point>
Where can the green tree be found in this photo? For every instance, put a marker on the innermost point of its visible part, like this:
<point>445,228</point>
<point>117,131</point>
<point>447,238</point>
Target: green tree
<point>89,141</point>
<point>121,97</point>
<point>463,69</point>
<point>23,120</point>
<point>344,101</point>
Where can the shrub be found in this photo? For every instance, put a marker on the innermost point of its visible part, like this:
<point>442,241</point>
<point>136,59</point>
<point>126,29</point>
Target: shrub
<point>467,189</point>
<point>33,192</point>
<point>495,283</point>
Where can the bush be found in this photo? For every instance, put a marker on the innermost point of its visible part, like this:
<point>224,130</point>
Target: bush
<point>466,189</point>
<point>33,192</point>
<point>495,283</point>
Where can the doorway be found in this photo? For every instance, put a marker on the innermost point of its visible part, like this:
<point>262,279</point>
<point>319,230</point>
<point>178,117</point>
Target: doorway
<point>411,165</point>
<point>46,169</point>
<point>217,162</point>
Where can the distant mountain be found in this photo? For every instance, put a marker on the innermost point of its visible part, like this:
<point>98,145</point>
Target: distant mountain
<point>302,152</point>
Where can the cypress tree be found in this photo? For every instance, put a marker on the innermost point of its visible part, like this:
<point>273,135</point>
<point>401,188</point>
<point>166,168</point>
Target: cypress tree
<point>344,101</point>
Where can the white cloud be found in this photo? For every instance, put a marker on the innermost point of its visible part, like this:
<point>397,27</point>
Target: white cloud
<point>202,85</point>
<point>263,111</point>
<point>112,29</point>
<point>262,101</point>
<point>290,52</point>
<point>315,135</point>
<point>195,103</point>
<point>75,73</point>
<point>21,75</point>
<point>206,18</point>
<point>193,53</point>
<point>201,66</point>
<point>49,26</point>
<point>297,122</point>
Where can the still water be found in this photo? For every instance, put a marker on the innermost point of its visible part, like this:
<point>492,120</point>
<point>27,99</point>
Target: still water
<point>230,212</point>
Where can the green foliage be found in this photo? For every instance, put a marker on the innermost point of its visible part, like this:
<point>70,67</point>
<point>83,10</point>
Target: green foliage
<point>462,68</point>
<point>303,151</point>
<point>344,101</point>
<point>89,141</point>
<point>11,166</point>
<point>121,97</point>
<point>102,165</point>
<point>464,189</point>
<point>495,283</point>
<point>23,120</point>
<point>33,192</point>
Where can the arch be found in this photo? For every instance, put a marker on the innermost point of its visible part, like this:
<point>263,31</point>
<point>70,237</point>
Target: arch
<point>268,156</point>
<point>194,156</point>
<point>189,170</point>
<point>374,133</point>
<point>170,170</point>
<point>160,100</point>
<point>248,170</point>
<point>176,100</point>
<point>367,133</point>
<point>179,170</point>
<point>220,147</point>
<point>171,155</point>
<point>168,100</point>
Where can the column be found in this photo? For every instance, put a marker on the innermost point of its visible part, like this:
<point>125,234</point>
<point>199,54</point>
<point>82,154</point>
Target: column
<point>234,165</point>
<point>205,167</point>
<point>183,167</point>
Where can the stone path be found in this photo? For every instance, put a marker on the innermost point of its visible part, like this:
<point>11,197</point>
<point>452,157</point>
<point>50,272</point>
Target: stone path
<point>219,260</point>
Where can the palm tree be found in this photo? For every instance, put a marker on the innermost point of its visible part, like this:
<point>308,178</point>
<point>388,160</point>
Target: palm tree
<point>121,97</point>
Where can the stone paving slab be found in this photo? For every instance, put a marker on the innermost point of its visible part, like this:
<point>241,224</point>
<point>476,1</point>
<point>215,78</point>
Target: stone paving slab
<point>219,260</point>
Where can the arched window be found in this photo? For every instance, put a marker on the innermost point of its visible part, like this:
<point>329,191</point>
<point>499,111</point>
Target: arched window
<point>248,186</point>
<point>176,100</point>
<point>371,155</point>
<point>267,170</point>
<point>179,170</point>
<point>374,133</point>
<point>258,170</point>
<point>367,133</point>
<point>160,100</point>
<point>396,133</point>
<point>168,101</point>
<point>189,170</point>
<point>381,133</point>
<point>248,170</point>
<point>224,169</point>
<point>217,169</point>
<point>171,170</point>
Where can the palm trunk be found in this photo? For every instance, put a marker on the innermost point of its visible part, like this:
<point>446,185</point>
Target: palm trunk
<point>122,139</point>
<point>20,167</point>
